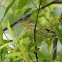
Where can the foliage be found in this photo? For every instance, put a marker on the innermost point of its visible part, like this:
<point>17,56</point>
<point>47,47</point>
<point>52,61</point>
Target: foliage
<point>19,17</point>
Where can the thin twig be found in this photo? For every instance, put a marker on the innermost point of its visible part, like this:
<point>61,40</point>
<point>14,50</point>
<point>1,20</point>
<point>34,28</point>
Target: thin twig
<point>36,23</point>
<point>46,18</point>
<point>35,30</point>
<point>6,46</point>
<point>6,36</point>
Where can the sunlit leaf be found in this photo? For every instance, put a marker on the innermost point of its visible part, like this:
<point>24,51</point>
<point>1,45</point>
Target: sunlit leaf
<point>15,59</point>
<point>13,54</point>
<point>22,3</point>
<point>8,26</point>
<point>6,45</point>
<point>1,33</point>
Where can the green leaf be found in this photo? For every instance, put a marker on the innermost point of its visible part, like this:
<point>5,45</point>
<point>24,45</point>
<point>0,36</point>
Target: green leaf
<point>31,55</point>
<point>8,8</point>
<point>26,40</point>
<point>44,53</point>
<point>1,33</point>
<point>8,26</point>
<point>58,31</point>
<point>15,59</point>
<point>60,55</point>
<point>6,45</point>
<point>34,14</point>
<point>58,12</point>
<point>44,3</point>
<point>22,3</point>
<point>3,52</point>
<point>18,30</point>
<point>2,11</point>
<point>27,11</point>
<point>36,43</point>
<point>13,54</point>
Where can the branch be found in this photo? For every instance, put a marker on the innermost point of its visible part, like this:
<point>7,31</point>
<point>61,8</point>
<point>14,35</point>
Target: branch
<point>54,2</point>
<point>54,48</point>
<point>35,29</point>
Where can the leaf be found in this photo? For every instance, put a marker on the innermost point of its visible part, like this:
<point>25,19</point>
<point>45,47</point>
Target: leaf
<point>31,55</point>
<point>34,14</point>
<point>3,52</point>
<point>15,59</point>
<point>36,43</point>
<point>2,11</point>
<point>18,30</point>
<point>60,55</point>
<point>44,53</point>
<point>13,54</point>
<point>27,11</point>
<point>44,3</point>
<point>57,12</point>
<point>1,33</point>
<point>22,3</point>
<point>6,45</point>
<point>8,8</point>
<point>58,31</point>
<point>8,26</point>
<point>26,40</point>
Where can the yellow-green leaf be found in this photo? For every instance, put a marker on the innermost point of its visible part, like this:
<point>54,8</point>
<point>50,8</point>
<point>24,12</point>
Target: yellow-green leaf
<point>13,54</point>
<point>6,45</point>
